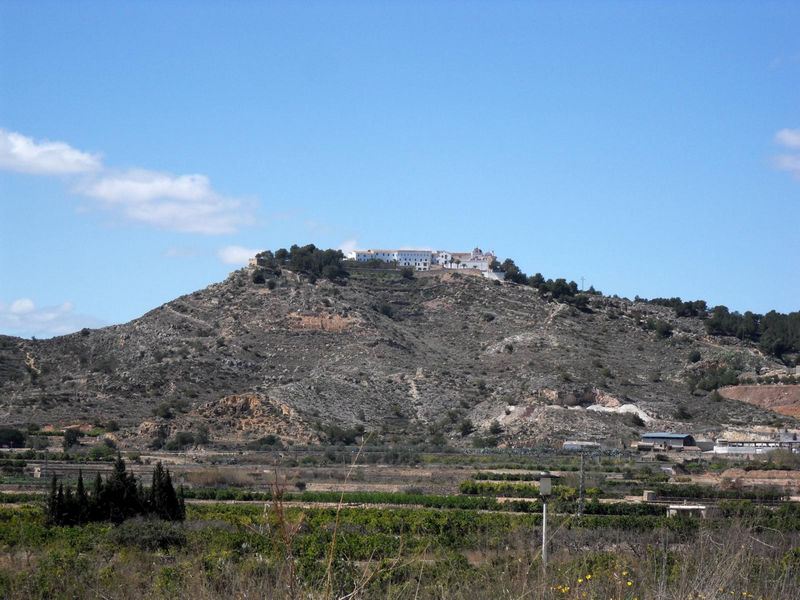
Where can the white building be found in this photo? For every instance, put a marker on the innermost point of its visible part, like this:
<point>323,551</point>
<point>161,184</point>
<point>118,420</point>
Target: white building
<point>787,442</point>
<point>419,259</point>
<point>422,260</point>
<point>476,259</point>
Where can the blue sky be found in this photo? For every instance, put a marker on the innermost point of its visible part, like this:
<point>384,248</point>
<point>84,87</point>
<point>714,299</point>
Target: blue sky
<point>147,148</point>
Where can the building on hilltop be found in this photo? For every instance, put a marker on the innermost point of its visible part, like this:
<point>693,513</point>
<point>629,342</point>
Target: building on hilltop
<point>476,259</point>
<point>419,259</point>
<point>424,260</point>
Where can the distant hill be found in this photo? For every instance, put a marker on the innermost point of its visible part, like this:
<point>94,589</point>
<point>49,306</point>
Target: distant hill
<point>436,358</point>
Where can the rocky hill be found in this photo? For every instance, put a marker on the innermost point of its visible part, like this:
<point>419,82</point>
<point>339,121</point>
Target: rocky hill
<point>414,360</point>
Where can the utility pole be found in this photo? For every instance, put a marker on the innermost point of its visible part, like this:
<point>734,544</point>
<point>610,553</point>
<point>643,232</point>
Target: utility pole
<point>545,489</point>
<point>581,490</point>
<point>544,536</point>
<point>581,283</point>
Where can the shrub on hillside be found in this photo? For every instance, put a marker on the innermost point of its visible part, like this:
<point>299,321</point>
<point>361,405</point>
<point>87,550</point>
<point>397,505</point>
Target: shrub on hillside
<point>12,438</point>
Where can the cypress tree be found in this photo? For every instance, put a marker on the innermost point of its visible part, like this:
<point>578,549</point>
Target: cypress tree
<point>116,499</point>
<point>120,498</point>
<point>52,500</point>
<point>143,498</point>
<point>156,501</point>
<point>58,512</point>
<point>181,504</point>
<point>159,492</point>
<point>156,495</point>
<point>81,501</point>
<point>164,503</point>
<point>96,512</point>
<point>70,510</point>
<point>172,506</point>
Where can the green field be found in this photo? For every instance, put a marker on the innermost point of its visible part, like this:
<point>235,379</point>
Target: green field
<point>467,527</point>
<point>275,550</point>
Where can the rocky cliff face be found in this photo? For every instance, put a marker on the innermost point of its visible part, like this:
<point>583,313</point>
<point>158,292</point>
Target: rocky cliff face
<point>407,359</point>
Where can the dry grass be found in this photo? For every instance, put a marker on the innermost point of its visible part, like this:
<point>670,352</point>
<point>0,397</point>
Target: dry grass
<point>584,564</point>
<point>730,561</point>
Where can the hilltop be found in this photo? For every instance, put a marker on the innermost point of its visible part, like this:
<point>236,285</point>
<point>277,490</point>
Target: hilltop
<point>432,358</point>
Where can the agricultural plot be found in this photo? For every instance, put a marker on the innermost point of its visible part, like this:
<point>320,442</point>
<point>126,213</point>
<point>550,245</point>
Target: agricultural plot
<point>283,542</point>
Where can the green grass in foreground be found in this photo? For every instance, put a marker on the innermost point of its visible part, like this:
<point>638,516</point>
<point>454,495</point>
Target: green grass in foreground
<point>268,551</point>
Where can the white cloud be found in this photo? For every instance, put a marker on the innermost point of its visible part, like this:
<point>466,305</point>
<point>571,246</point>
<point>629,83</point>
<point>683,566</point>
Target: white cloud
<point>184,203</point>
<point>181,252</point>
<point>788,137</point>
<point>236,255</point>
<point>788,162</point>
<point>316,227</point>
<point>21,306</point>
<point>348,246</point>
<point>23,154</point>
<point>22,318</point>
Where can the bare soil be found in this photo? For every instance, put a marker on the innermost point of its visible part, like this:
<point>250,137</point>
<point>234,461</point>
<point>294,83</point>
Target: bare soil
<point>783,399</point>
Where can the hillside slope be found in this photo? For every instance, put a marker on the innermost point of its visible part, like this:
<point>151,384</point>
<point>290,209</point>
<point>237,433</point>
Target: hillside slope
<point>409,359</point>
<point>783,399</point>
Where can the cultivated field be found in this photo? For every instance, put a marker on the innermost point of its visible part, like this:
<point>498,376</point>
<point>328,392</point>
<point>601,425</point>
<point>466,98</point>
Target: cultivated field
<point>339,524</point>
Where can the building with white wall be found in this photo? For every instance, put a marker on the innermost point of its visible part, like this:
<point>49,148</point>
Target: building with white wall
<point>723,446</point>
<point>423,260</point>
<point>477,259</point>
<point>419,259</point>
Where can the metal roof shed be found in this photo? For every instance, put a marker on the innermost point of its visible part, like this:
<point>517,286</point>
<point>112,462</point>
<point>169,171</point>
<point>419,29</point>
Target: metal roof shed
<point>676,440</point>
